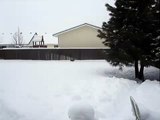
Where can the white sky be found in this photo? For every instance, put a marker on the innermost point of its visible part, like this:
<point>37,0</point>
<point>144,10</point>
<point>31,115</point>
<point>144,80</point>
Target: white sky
<point>48,16</point>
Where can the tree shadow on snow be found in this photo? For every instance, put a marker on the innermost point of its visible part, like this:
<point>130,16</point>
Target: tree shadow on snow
<point>150,73</point>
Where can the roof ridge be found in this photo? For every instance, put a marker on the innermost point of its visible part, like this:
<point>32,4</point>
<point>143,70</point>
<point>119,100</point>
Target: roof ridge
<point>75,27</point>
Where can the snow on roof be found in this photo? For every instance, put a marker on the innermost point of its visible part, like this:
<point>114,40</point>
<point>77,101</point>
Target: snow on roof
<point>37,38</point>
<point>47,37</point>
<point>76,27</point>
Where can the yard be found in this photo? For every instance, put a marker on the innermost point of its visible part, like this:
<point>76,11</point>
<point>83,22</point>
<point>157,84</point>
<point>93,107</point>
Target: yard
<point>46,90</point>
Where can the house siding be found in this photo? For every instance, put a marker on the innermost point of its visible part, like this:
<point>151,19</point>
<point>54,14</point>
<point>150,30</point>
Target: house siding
<point>84,36</point>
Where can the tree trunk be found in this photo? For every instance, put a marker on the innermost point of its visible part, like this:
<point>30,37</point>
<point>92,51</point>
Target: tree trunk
<point>141,72</point>
<point>136,68</point>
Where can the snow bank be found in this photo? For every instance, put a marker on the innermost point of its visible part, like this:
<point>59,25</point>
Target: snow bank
<point>148,99</point>
<point>81,111</point>
<point>50,90</point>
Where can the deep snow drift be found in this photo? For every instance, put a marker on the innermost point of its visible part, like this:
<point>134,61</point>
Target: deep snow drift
<point>50,90</point>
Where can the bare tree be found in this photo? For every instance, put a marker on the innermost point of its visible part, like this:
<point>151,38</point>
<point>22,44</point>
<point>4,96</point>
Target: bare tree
<point>18,38</point>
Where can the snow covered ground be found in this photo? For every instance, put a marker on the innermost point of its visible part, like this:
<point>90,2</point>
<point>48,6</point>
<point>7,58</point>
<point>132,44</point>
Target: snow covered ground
<point>48,90</point>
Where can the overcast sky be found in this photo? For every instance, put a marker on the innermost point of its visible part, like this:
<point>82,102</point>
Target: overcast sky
<point>49,16</point>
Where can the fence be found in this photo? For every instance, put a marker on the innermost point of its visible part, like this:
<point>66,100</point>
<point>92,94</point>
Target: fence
<point>52,54</point>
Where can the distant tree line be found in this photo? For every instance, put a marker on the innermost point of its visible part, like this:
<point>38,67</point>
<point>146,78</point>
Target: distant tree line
<point>133,34</point>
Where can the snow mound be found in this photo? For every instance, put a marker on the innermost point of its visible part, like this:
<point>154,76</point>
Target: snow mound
<point>81,111</point>
<point>147,96</point>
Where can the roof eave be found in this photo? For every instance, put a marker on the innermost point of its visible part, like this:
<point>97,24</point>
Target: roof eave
<point>76,27</point>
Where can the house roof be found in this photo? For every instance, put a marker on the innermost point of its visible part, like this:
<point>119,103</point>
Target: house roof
<point>76,27</point>
<point>37,38</point>
<point>32,38</point>
<point>48,38</point>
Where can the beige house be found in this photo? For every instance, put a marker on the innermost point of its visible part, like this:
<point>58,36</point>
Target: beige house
<point>82,36</point>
